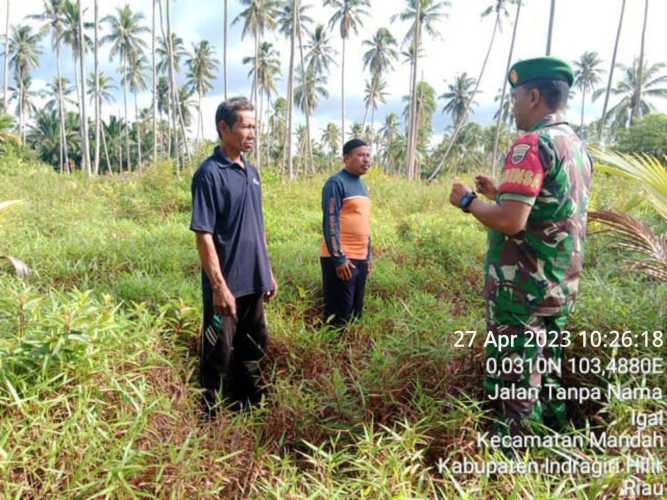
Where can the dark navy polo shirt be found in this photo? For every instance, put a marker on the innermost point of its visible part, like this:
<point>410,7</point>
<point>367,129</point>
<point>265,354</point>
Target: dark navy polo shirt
<point>227,202</point>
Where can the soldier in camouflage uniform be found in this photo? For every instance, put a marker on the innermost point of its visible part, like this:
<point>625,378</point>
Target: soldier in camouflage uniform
<point>537,229</point>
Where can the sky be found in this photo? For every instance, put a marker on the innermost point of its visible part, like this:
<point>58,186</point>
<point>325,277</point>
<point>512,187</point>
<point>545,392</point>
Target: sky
<point>580,25</point>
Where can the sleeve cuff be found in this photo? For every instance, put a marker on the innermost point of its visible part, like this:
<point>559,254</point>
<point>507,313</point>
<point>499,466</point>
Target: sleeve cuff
<point>202,229</point>
<point>338,261</point>
<point>528,200</point>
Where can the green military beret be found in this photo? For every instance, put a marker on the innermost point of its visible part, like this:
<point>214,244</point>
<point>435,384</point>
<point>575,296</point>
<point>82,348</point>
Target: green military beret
<point>546,68</point>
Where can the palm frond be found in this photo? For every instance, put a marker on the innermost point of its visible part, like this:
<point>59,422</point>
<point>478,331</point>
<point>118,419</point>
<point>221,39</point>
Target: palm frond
<point>644,168</point>
<point>635,237</point>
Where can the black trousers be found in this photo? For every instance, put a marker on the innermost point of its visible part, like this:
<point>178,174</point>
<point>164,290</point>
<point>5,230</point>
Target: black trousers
<point>344,300</point>
<point>230,354</point>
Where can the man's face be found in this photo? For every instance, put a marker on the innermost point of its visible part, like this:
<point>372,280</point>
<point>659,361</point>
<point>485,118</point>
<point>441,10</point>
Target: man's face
<point>525,102</point>
<point>358,161</point>
<point>241,137</point>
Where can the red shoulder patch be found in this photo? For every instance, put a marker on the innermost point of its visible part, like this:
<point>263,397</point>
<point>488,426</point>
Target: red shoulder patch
<point>523,172</point>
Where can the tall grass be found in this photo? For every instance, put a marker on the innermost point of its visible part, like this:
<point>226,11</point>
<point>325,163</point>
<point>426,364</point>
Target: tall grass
<point>98,351</point>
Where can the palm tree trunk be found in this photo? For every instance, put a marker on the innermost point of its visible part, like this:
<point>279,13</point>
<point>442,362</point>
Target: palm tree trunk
<point>309,150</point>
<point>552,13</point>
<point>106,150</point>
<point>170,121</point>
<point>96,167</point>
<point>127,123</point>
<point>174,98</point>
<point>85,153</point>
<point>154,86</point>
<point>290,98</point>
<point>258,118</point>
<point>6,71</point>
<point>636,111</point>
<point>342,97</point>
<point>611,72</point>
<point>61,111</point>
<point>412,136</point>
<point>363,123</point>
<point>224,51</point>
<point>201,122</point>
<point>583,103</point>
<point>462,119</point>
<point>20,105</point>
<point>499,122</point>
<point>137,123</point>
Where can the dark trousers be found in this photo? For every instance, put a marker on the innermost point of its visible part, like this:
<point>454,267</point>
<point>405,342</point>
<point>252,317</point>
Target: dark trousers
<point>230,354</point>
<point>343,299</point>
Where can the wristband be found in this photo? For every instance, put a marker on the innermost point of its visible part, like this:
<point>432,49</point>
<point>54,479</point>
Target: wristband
<point>466,200</point>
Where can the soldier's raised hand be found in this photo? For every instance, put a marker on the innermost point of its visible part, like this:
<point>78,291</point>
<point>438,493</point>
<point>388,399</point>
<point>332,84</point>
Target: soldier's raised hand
<point>486,186</point>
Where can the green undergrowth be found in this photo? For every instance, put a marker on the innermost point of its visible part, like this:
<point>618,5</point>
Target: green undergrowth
<point>98,350</point>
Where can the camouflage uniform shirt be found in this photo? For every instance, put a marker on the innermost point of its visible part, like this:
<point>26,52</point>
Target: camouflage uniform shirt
<point>536,271</point>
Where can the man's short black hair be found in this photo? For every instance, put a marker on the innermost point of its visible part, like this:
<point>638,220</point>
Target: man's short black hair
<point>228,111</point>
<point>554,92</point>
<point>352,144</point>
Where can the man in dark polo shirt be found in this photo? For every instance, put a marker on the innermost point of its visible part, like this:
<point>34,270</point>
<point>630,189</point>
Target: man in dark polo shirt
<point>236,271</point>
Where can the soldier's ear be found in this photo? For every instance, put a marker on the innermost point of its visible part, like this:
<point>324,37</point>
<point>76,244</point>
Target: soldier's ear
<point>535,96</point>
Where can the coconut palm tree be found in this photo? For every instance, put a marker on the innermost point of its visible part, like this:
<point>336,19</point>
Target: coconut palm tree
<point>424,107</point>
<point>636,112</point>
<point>309,89</point>
<point>154,72</point>
<point>460,97</point>
<point>503,94</point>
<point>50,93</point>
<point>390,132</point>
<point>24,96</point>
<point>319,52</point>
<point>52,14</point>
<point>259,17</point>
<point>85,138</point>
<point>292,18</point>
<point>98,117</point>
<point>136,80</point>
<point>331,138</point>
<point>180,54</point>
<point>499,9</point>
<point>126,43</point>
<point>375,94</point>
<point>379,59</point>
<point>587,76</point>
<point>202,66</point>
<point>504,113</point>
<point>654,85</point>
<point>70,35</point>
<point>24,51</point>
<point>348,15</point>
<point>105,87</point>
<point>268,73</point>
<point>603,119</point>
<point>423,16</point>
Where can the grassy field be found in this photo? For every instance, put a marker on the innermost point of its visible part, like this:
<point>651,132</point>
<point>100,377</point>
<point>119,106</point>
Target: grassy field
<point>98,350</point>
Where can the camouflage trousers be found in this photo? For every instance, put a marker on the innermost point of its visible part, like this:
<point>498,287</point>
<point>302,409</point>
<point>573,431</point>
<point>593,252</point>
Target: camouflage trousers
<point>524,364</point>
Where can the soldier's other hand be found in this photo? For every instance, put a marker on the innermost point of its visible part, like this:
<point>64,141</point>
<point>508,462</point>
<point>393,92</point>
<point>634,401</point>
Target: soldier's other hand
<point>344,271</point>
<point>458,190</point>
<point>486,186</point>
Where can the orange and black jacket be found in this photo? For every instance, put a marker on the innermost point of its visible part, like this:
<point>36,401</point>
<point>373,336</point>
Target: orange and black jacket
<point>346,225</point>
